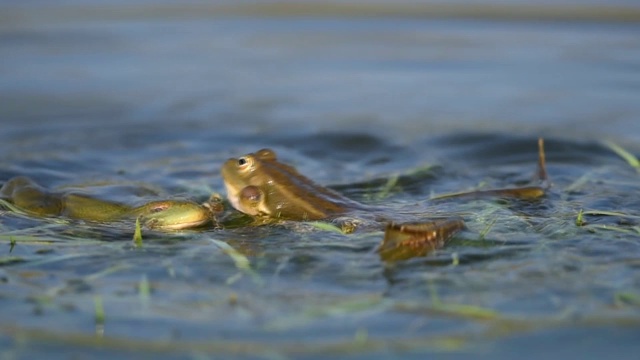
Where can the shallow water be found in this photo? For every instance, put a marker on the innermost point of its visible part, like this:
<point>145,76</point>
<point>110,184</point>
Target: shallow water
<point>151,99</point>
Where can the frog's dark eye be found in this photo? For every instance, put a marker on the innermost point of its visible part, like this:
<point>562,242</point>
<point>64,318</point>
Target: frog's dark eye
<point>244,162</point>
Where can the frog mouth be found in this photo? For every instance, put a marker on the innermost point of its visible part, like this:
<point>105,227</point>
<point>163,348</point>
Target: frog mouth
<point>156,224</point>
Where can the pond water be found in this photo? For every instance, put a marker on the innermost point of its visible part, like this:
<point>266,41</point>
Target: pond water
<point>144,100</point>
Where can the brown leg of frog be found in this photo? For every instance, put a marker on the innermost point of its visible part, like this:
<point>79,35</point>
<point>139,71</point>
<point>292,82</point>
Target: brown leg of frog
<point>404,241</point>
<point>525,192</point>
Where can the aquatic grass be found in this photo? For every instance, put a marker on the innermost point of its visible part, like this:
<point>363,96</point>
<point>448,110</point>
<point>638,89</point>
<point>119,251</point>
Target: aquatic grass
<point>619,229</point>
<point>144,291</point>
<point>467,312</point>
<point>325,226</point>
<point>137,234</point>
<point>460,310</point>
<point>10,260</point>
<point>341,308</point>
<point>99,317</point>
<point>7,205</point>
<point>482,236</point>
<point>579,218</point>
<point>494,225</point>
<point>47,240</point>
<point>337,346</point>
<point>634,230</point>
<point>609,213</point>
<point>393,183</point>
<point>241,262</point>
<point>455,259</point>
<point>631,159</point>
<point>582,181</point>
<point>217,348</point>
<point>626,298</point>
<point>16,211</point>
<point>387,188</point>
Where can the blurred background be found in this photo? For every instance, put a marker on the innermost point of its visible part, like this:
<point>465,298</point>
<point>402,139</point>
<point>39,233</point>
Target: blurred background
<point>401,69</point>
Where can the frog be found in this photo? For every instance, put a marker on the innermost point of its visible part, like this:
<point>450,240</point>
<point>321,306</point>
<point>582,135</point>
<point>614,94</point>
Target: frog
<point>166,215</point>
<point>259,185</point>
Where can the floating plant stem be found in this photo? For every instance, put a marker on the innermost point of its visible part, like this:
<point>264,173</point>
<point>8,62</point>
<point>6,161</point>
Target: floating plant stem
<point>241,262</point>
<point>387,188</point>
<point>320,225</point>
<point>99,310</point>
<point>579,218</point>
<point>137,235</point>
<point>627,298</point>
<point>485,231</point>
<point>610,213</point>
<point>631,159</point>
<point>144,291</point>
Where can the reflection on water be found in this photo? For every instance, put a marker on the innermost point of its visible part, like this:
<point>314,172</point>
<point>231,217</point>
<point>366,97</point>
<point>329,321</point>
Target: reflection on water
<point>162,94</point>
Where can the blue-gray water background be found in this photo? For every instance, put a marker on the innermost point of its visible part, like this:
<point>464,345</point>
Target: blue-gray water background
<point>158,94</point>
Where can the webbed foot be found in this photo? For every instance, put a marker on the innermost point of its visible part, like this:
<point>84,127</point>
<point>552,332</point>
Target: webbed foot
<point>404,241</point>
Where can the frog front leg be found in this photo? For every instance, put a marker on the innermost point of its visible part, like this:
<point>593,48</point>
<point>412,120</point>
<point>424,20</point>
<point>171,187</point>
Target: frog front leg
<point>249,200</point>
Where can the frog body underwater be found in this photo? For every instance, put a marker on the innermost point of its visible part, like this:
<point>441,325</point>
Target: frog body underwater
<point>35,200</point>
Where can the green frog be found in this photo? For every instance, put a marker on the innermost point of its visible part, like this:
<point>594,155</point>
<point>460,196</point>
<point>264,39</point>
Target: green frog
<point>35,200</point>
<point>259,185</point>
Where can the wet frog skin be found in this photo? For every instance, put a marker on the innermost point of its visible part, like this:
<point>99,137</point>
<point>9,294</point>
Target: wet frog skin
<point>259,185</point>
<point>35,200</point>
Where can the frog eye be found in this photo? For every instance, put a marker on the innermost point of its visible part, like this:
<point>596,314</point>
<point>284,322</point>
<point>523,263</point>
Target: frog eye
<point>244,163</point>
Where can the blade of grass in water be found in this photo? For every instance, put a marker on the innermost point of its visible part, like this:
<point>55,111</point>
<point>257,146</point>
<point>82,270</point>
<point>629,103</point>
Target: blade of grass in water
<point>325,226</point>
<point>462,310</point>
<point>609,213</point>
<point>338,309</point>
<point>241,262</point>
<point>9,206</point>
<point>144,291</point>
<point>99,310</point>
<point>137,235</point>
<point>624,154</point>
<point>388,187</point>
<point>579,219</point>
<point>8,260</point>
<point>627,298</point>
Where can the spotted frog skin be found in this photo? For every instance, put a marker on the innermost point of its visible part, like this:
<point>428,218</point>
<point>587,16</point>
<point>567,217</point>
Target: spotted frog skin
<point>33,199</point>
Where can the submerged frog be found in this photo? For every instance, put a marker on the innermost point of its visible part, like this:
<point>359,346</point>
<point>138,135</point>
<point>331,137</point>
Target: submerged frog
<point>33,199</point>
<point>259,185</point>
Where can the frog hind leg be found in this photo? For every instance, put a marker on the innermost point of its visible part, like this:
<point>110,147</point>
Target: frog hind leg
<point>30,197</point>
<point>525,192</point>
<point>408,240</point>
